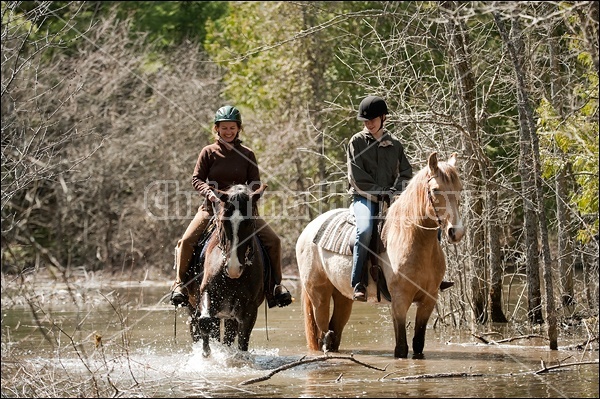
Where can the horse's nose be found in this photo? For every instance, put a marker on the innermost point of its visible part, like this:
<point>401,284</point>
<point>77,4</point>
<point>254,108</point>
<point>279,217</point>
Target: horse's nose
<point>455,234</point>
<point>234,268</point>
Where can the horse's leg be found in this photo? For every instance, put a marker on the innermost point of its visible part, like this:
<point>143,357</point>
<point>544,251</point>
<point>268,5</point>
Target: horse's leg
<point>205,325</point>
<point>315,301</point>
<point>214,328</point>
<point>321,299</point>
<point>400,306</point>
<point>231,329</point>
<point>245,329</point>
<point>342,308</point>
<point>421,318</point>
<point>194,325</point>
<point>310,326</point>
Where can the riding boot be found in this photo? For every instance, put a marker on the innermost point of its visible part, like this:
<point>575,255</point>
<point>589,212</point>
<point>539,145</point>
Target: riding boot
<point>179,292</point>
<point>184,252</point>
<point>280,297</point>
<point>275,293</point>
<point>360,293</point>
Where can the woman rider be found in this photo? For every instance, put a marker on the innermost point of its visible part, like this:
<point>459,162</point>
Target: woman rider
<point>378,170</point>
<point>220,166</point>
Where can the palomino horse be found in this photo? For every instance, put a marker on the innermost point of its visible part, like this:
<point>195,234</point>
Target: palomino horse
<point>413,262</point>
<point>231,287</point>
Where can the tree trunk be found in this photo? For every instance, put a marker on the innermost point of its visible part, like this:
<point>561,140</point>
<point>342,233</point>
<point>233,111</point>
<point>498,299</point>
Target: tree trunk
<point>546,253</point>
<point>539,196</point>
<point>565,237</point>
<point>529,135</point>
<point>458,44</point>
<point>315,72</point>
<point>496,272</point>
<point>589,260</point>
<point>528,183</point>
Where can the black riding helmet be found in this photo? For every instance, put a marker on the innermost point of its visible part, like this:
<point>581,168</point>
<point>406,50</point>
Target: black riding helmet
<point>371,107</point>
<point>228,113</point>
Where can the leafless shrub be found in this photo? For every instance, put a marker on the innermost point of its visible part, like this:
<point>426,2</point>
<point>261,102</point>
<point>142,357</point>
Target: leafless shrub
<point>86,134</point>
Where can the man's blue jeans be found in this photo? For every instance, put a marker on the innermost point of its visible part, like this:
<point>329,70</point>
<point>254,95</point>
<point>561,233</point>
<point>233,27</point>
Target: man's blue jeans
<point>364,212</point>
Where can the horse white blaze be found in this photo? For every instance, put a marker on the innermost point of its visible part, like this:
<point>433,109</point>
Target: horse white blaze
<point>455,232</point>
<point>234,266</point>
<point>454,228</point>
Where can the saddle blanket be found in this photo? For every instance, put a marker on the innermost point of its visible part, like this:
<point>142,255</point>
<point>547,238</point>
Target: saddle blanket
<point>335,233</point>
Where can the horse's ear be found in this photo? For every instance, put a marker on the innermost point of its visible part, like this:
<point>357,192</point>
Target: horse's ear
<point>258,193</point>
<point>452,159</point>
<point>432,163</point>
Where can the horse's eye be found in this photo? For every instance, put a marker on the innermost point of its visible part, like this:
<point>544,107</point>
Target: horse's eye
<point>435,192</point>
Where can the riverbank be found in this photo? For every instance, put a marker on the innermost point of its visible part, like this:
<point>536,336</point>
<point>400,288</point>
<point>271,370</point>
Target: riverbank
<point>50,285</point>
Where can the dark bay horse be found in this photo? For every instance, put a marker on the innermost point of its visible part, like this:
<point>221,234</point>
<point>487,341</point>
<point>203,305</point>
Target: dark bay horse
<point>231,287</point>
<point>413,262</point>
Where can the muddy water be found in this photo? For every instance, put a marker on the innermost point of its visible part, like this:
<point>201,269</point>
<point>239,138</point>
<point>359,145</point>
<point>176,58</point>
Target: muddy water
<point>128,341</point>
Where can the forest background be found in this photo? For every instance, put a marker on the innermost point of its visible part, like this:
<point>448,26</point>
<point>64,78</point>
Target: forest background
<point>106,105</point>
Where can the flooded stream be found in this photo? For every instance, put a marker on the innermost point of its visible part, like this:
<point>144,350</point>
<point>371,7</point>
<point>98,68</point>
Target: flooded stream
<point>127,341</point>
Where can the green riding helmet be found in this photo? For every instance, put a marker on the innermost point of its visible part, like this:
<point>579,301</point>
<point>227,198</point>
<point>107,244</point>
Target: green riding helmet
<point>228,113</point>
<point>371,107</point>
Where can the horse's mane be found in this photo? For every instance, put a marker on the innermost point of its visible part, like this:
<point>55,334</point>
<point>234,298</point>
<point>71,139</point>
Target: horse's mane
<point>410,206</point>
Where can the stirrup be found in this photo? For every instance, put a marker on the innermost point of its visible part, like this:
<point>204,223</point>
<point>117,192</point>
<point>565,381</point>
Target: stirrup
<point>284,298</point>
<point>178,298</point>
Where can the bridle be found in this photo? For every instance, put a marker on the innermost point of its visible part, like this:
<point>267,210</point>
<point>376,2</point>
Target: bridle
<point>431,201</point>
<point>223,246</point>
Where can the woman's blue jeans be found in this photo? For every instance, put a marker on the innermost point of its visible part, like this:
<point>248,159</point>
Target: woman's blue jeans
<point>364,213</point>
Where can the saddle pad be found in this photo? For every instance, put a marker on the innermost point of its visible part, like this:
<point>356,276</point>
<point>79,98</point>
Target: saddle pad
<point>334,234</point>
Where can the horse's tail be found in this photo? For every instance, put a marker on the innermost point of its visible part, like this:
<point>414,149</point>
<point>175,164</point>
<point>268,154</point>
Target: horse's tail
<point>310,326</point>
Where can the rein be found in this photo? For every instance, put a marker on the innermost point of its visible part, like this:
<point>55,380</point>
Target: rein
<point>437,216</point>
<point>430,197</point>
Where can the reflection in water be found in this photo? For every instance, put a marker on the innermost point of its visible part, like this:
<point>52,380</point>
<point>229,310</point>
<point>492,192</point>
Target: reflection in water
<point>146,350</point>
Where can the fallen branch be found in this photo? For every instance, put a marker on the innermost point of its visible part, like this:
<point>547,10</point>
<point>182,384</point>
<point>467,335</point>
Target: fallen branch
<point>581,346</point>
<point>436,375</point>
<point>500,341</point>
<point>306,361</point>
<point>544,369</point>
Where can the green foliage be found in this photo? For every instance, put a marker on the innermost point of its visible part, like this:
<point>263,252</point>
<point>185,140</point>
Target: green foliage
<point>16,20</point>
<point>292,60</point>
<point>573,141</point>
<point>163,23</point>
<point>256,78</point>
<point>170,23</point>
<point>54,25</point>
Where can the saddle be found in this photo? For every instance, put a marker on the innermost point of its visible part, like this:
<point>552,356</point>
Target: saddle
<point>338,234</point>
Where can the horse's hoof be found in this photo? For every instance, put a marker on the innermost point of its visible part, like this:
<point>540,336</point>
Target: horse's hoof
<point>328,342</point>
<point>401,354</point>
<point>418,356</point>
